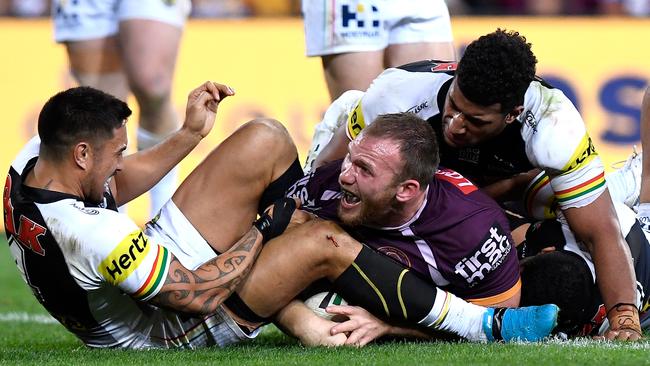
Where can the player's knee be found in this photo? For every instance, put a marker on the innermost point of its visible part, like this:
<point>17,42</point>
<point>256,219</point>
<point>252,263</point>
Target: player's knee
<point>329,242</point>
<point>151,90</point>
<point>268,134</point>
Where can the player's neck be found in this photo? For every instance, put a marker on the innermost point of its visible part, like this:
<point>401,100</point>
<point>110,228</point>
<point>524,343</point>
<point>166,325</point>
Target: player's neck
<point>409,212</point>
<point>50,176</point>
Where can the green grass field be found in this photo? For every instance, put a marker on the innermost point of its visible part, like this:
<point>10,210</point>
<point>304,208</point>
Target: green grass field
<point>28,336</point>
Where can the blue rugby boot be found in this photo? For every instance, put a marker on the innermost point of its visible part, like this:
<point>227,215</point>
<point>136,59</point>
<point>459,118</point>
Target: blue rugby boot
<point>527,324</point>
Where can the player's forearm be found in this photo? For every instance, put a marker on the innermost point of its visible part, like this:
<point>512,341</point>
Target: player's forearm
<point>596,225</point>
<point>511,188</point>
<point>335,149</point>
<point>142,170</point>
<point>614,271</point>
<point>203,290</point>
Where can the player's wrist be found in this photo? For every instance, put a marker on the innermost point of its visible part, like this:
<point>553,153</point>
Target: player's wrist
<point>271,224</point>
<point>624,316</point>
<point>190,135</point>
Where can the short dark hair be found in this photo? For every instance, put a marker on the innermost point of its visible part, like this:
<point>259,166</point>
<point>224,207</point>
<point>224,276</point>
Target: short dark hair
<point>77,114</point>
<point>564,279</point>
<point>417,142</point>
<point>497,68</point>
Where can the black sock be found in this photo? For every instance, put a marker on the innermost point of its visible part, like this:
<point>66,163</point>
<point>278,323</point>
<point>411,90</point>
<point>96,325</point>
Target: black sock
<point>385,288</point>
<point>278,187</point>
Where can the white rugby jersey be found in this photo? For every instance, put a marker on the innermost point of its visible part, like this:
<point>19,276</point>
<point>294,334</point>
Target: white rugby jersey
<point>92,267</point>
<point>549,134</point>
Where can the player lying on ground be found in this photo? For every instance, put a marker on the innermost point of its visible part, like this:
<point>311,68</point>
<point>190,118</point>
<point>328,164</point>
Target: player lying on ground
<point>496,120</point>
<point>389,194</point>
<point>173,284</point>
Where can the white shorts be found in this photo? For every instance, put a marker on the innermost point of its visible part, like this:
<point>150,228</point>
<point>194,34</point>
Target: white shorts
<point>341,26</point>
<point>80,20</point>
<point>172,230</point>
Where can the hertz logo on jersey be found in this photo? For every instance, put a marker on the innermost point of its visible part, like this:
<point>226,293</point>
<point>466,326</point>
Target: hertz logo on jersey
<point>355,122</point>
<point>125,258</point>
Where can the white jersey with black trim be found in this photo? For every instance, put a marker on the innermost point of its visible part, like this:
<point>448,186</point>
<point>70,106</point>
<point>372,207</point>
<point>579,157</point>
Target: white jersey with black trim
<point>92,267</point>
<point>549,134</point>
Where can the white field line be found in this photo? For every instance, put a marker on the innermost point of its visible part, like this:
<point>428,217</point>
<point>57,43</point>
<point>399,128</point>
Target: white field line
<point>22,317</point>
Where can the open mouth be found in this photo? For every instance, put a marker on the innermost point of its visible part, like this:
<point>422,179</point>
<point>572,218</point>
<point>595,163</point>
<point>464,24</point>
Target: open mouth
<point>349,199</point>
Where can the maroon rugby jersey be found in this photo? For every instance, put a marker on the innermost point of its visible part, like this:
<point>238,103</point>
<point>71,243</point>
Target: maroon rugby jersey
<point>459,238</point>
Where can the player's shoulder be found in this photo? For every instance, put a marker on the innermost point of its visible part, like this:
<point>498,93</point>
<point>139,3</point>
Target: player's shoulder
<point>411,78</point>
<point>551,127</point>
<point>27,153</point>
<point>86,228</point>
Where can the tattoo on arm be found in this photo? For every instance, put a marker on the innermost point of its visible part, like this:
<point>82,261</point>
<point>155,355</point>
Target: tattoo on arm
<point>203,290</point>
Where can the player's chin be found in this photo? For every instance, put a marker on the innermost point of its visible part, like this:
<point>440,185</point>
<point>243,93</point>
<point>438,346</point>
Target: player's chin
<point>350,216</point>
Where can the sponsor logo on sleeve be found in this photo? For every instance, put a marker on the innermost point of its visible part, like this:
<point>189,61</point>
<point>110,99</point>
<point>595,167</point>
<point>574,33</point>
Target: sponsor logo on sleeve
<point>582,156</point>
<point>125,258</point>
<point>418,108</point>
<point>530,120</point>
<point>456,179</point>
<point>355,122</point>
<point>491,252</point>
<point>444,66</point>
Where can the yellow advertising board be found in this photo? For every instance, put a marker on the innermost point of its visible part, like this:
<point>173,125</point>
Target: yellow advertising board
<point>601,63</point>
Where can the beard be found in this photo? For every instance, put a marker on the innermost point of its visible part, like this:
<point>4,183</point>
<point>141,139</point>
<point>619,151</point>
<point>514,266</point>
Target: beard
<point>371,212</point>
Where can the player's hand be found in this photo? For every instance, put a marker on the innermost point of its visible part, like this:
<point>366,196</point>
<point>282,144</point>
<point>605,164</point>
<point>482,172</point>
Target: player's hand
<point>275,220</point>
<point>361,327</point>
<point>202,104</point>
<point>624,324</point>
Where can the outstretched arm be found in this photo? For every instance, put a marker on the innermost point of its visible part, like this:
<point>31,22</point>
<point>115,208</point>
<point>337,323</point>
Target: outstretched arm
<point>144,169</point>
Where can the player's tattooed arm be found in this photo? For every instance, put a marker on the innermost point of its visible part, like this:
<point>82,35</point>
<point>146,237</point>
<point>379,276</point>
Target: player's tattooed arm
<point>201,291</point>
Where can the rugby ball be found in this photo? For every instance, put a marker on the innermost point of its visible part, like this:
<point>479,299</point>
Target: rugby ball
<point>318,302</point>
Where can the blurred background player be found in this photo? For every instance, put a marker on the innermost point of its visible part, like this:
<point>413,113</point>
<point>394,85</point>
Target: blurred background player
<point>358,39</point>
<point>130,45</point>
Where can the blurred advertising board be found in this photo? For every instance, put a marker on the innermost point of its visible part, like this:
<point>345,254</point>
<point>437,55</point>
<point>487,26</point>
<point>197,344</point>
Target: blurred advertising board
<point>600,63</point>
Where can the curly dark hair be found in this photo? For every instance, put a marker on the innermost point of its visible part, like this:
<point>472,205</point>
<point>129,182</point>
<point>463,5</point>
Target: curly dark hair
<point>497,68</point>
<point>564,279</point>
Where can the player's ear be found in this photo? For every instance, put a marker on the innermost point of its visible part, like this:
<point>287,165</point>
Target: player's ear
<point>514,113</point>
<point>407,190</point>
<point>82,154</point>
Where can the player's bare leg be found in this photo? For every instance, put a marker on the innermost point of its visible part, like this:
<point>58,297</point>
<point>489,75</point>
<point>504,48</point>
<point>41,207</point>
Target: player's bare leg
<point>321,249</point>
<point>351,71</point>
<point>97,63</point>
<point>149,50</point>
<point>403,53</point>
<point>221,196</point>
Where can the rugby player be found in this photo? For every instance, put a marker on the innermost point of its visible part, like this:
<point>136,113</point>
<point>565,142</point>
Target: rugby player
<point>496,122</point>
<point>187,279</point>
<point>122,46</point>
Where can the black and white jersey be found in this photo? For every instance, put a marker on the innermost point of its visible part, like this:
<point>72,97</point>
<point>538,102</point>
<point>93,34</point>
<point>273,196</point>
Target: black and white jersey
<point>90,266</point>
